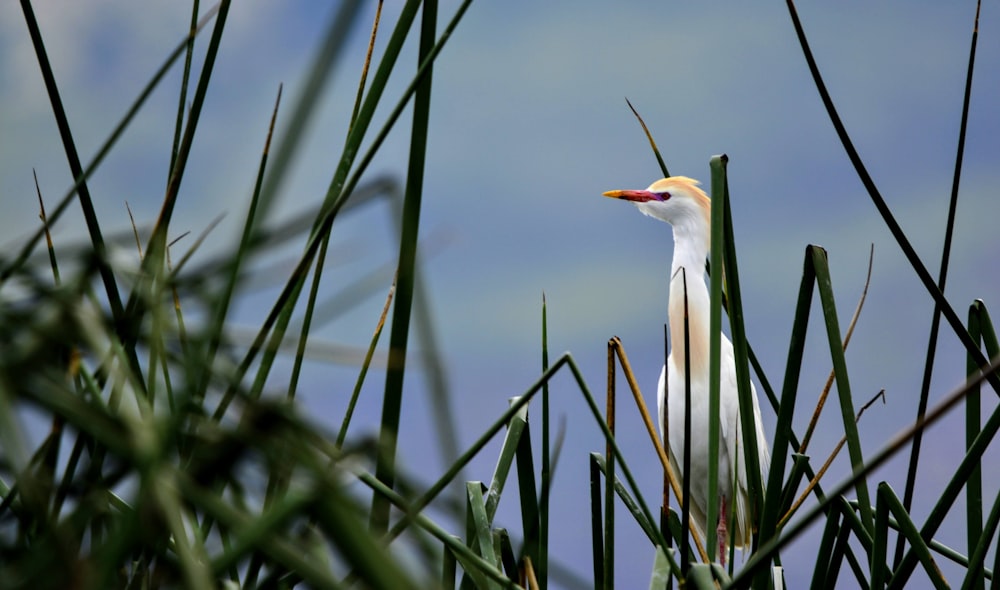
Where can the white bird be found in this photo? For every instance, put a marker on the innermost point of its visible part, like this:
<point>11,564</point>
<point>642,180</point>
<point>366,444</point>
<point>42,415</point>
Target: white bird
<point>678,201</point>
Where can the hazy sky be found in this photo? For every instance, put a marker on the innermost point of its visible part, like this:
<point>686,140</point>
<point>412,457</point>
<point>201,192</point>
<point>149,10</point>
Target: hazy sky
<point>528,126</point>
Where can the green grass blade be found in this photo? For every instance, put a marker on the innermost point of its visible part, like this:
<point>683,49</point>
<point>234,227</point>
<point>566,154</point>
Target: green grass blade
<point>879,573</point>
<point>717,165</point>
<point>528,494</point>
<point>781,448</point>
<point>392,400</point>
<point>908,530</point>
<point>609,480</point>
<point>369,354</point>
<point>157,242</point>
<point>515,430</point>
<point>596,520</point>
<point>973,418</point>
<point>75,166</point>
<point>843,385</point>
<point>755,485</point>
<point>890,221</point>
<point>480,534</point>
<point>449,569</point>
<point>182,101</point>
<point>649,136</point>
<point>542,541</point>
<point>214,330</point>
<point>830,532</point>
<point>911,475</point>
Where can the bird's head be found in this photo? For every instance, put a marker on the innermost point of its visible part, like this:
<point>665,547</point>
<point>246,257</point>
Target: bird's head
<point>676,200</point>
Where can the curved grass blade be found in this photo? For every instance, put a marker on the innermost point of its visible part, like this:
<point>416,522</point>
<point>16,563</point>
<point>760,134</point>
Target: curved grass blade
<point>392,399</point>
<point>649,136</point>
<point>925,386</point>
<point>904,243</point>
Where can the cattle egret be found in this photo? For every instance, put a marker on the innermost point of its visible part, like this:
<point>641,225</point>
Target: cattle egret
<point>678,201</point>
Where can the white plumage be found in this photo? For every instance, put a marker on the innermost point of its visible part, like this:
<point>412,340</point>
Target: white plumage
<point>678,201</point>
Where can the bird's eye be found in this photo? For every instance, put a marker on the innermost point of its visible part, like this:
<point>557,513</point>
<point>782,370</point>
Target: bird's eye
<point>663,196</point>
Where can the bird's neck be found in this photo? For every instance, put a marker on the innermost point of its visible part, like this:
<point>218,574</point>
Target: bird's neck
<point>689,255</point>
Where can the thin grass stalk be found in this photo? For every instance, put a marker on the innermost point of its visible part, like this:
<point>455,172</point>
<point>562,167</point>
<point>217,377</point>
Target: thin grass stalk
<point>185,78</point>
<point>847,340</point>
<point>76,168</point>
<point>307,318</point>
<point>302,111</point>
<point>911,474</point>
<point>368,61</point>
<point>356,392</point>
<point>828,305</point>
<point>96,161</point>
<point>649,136</point>
<point>740,352</point>
<point>542,558</point>
<point>609,481</point>
<point>686,454</point>
<point>449,565</point>
<point>399,332</point>
<point>596,520</point>
<point>830,531</point>
<point>527,493</point>
<point>973,418</point>
<point>904,244</point>
<point>837,560</point>
<point>717,165</point>
<point>763,554</point>
<point>156,246</point>
<point>53,263</point>
<point>786,409</point>
<point>225,296</point>
<point>879,573</point>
